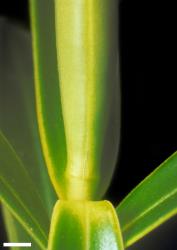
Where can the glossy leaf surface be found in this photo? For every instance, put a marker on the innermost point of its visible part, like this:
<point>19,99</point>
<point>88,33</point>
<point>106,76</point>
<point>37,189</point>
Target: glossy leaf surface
<point>85,225</point>
<point>151,203</point>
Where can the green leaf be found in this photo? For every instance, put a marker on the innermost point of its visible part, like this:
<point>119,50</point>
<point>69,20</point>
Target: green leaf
<point>85,225</point>
<point>151,203</point>
<point>19,194</point>
<point>18,120</point>
<point>47,88</point>
<point>16,232</point>
<point>76,114</point>
<point>86,41</point>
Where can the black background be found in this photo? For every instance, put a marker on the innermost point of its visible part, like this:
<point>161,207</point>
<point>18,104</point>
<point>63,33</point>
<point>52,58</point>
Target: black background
<point>149,99</point>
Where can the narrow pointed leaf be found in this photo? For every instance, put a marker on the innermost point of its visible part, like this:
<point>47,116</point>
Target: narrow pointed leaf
<point>18,192</point>
<point>85,225</point>
<point>151,203</point>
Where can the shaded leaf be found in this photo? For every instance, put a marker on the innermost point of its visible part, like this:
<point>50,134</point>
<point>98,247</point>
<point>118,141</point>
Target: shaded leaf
<point>17,106</point>
<point>19,194</point>
<point>16,232</point>
<point>18,123</point>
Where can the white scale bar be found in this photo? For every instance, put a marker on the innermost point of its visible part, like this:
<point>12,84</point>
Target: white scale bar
<point>17,244</point>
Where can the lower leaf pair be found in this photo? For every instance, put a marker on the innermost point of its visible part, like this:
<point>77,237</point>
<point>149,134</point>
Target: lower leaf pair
<point>85,225</point>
